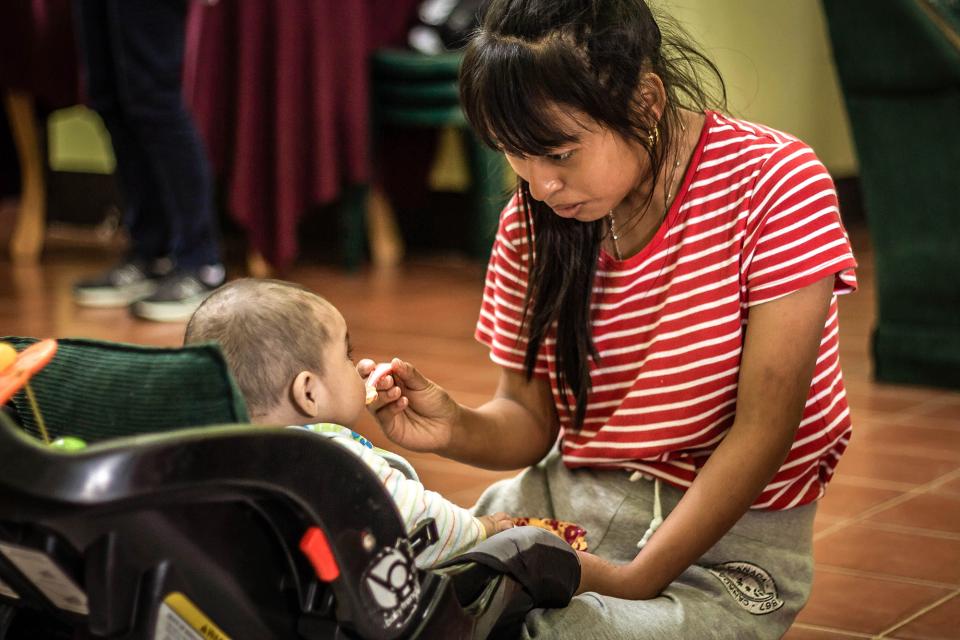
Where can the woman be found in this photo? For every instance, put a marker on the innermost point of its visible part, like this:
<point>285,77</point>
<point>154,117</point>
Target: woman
<point>662,296</point>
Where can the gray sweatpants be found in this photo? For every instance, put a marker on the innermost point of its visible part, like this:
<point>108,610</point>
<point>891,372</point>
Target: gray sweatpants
<point>750,584</point>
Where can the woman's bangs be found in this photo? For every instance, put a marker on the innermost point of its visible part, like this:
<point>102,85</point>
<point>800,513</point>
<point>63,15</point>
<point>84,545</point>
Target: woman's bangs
<point>509,103</point>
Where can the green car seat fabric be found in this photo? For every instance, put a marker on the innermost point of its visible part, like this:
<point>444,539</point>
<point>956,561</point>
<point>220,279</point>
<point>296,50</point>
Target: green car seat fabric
<point>95,390</point>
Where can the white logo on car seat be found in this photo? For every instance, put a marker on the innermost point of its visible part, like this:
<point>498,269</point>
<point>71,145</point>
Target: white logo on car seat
<point>392,586</point>
<point>751,586</point>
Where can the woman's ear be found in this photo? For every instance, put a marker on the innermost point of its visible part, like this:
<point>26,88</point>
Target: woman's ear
<point>308,394</point>
<point>652,96</point>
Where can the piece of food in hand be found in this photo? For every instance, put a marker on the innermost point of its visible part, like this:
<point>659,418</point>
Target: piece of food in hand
<point>573,534</point>
<point>378,372</point>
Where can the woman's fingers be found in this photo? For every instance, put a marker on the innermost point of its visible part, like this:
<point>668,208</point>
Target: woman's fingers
<point>383,397</point>
<point>387,413</point>
<point>375,381</point>
<point>376,375</point>
<point>408,375</point>
<point>385,375</point>
<point>379,372</point>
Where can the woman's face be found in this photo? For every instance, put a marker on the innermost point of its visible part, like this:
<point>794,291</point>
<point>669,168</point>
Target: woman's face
<point>585,179</point>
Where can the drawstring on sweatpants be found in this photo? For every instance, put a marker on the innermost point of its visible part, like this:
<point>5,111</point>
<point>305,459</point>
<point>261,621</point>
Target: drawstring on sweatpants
<point>657,519</point>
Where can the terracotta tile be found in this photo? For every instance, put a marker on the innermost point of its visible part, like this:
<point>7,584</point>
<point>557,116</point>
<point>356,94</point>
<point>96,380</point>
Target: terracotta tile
<point>877,401</point>
<point>446,481</point>
<point>877,396</point>
<point>848,501</point>
<point>891,466</point>
<point>911,439</point>
<point>864,420</point>
<point>466,498</point>
<point>457,482</point>
<point>909,555</point>
<point>802,632</point>
<point>823,521</point>
<point>951,488</point>
<point>864,604</point>
<point>949,410</point>
<point>941,623</point>
<point>927,511</point>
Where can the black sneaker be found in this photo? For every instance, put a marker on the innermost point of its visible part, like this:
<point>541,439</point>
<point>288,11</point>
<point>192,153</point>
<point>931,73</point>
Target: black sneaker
<point>179,294</point>
<point>122,285</point>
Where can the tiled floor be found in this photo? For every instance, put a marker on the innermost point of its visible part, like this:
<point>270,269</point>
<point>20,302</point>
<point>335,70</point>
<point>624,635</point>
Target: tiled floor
<point>887,533</point>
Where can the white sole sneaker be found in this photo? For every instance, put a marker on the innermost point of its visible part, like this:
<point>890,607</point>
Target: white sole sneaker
<point>113,297</point>
<point>179,311</point>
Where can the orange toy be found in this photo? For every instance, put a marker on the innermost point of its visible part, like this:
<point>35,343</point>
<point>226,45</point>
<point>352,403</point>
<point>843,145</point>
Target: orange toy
<point>16,369</point>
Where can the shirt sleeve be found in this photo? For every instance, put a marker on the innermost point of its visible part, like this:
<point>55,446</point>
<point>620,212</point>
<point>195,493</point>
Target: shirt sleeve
<point>794,235</point>
<point>458,529</point>
<point>499,326</point>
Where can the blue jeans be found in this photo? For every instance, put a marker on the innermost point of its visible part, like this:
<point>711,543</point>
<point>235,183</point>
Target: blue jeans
<point>133,56</point>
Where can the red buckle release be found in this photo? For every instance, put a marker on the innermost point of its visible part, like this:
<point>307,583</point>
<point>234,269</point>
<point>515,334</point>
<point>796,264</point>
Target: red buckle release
<point>315,546</point>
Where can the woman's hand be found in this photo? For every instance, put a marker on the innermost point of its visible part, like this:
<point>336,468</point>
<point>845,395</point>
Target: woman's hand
<point>513,429</point>
<point>412,411</point>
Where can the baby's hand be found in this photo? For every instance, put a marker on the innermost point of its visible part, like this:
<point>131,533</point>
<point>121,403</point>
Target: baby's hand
<point>496,523</point>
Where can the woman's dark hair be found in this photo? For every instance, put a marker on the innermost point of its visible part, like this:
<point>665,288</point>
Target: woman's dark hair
<point>531,56</point>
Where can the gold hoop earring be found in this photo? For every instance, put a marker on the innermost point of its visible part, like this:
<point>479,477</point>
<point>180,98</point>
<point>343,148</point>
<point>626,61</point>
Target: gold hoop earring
<point>653,138</point>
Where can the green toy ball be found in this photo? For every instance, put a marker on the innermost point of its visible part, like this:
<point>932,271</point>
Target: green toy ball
<point>68,443</point>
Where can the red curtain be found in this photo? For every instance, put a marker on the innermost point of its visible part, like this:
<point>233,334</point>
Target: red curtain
<point>37,51</point>
<point>280,94</point>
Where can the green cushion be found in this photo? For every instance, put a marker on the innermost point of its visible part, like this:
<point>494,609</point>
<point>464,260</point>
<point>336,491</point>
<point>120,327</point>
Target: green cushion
<point>411,65</point>
<point>900,70</point>
<point>94,390</point>
<point>892,45</point>
<point>442,93</point>
<point>422,116</point>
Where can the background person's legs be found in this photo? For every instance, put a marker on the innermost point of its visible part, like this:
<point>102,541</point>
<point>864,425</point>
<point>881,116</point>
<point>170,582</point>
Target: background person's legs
<point>149,37</point>
<point>160,157</point>
<point>145,220</point>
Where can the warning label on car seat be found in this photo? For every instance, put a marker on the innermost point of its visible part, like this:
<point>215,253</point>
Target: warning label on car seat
<point>180,619</point>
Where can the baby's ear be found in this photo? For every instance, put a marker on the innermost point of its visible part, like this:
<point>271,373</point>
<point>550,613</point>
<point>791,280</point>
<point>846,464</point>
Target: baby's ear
<point>308,393</point>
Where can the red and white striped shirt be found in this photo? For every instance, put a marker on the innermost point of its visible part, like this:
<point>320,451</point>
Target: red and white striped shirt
<point>755,220</point>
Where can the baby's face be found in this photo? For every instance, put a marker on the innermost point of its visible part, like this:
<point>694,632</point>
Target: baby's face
<point>340,376</point>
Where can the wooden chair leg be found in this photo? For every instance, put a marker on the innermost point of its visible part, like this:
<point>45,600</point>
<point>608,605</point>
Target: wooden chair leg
<point>257,265</point>
<point>386,243</point>
<point>27,239</point>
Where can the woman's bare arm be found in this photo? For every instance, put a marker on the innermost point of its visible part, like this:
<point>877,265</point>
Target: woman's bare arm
<point>779,356</point>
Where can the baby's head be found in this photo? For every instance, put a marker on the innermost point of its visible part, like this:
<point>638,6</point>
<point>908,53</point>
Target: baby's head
<point>287,348</point>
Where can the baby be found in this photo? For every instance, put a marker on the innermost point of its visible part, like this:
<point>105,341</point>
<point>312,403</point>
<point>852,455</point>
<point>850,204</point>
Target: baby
<point>289,351</point>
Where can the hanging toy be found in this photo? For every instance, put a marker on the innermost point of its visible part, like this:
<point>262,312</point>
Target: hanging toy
<point>16,369</point>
